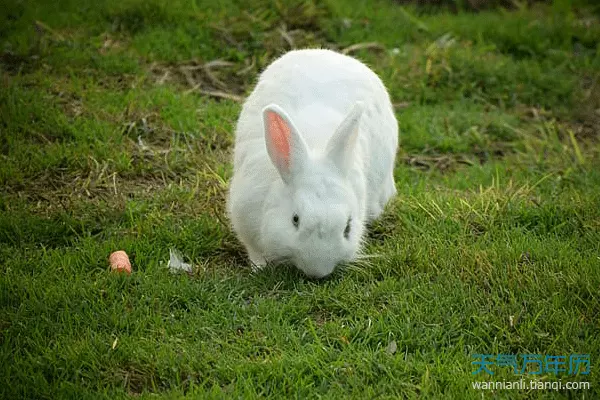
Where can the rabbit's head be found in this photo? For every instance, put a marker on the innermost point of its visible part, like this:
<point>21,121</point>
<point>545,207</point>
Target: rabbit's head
<point>314,215</point>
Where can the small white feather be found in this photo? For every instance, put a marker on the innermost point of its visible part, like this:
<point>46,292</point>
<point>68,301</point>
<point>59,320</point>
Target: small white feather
<point>176,263</point>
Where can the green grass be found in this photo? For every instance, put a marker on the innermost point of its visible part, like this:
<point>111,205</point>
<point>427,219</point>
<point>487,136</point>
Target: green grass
<point>109,140</point>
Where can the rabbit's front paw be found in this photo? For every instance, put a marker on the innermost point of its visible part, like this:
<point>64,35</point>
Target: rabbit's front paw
<point>257,260</point>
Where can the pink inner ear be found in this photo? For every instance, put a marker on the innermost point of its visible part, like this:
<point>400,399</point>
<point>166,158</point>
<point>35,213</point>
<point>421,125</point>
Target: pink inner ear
<point>279,132</point>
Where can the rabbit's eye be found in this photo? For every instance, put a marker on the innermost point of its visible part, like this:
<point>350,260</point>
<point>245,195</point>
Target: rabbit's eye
<point>296,220</point>
<point>347,230</point>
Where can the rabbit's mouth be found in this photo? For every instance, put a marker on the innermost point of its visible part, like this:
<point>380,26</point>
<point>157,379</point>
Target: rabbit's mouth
<point>315,271</point>
<point>310,268</point>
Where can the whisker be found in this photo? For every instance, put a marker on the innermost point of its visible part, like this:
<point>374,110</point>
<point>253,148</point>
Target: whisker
<point>360,262</point>
<point>368,256</point>
<point>352,267</point>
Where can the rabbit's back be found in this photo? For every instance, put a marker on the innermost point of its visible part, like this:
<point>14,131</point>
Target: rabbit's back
<point>317,88</point>
<point>306,77</point>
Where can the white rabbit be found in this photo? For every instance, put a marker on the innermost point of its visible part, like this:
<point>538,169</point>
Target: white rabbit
<point>314,158</point>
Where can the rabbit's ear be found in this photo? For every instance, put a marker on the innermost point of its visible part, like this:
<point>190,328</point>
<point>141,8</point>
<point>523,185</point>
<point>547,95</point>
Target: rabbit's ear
<point>340,147</point>
<point>285,145</point>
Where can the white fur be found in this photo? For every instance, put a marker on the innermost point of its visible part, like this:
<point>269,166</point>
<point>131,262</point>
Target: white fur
<point>344,138</point>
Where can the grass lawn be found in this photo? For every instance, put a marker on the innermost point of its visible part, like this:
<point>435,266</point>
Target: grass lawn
<point>116,132</point>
